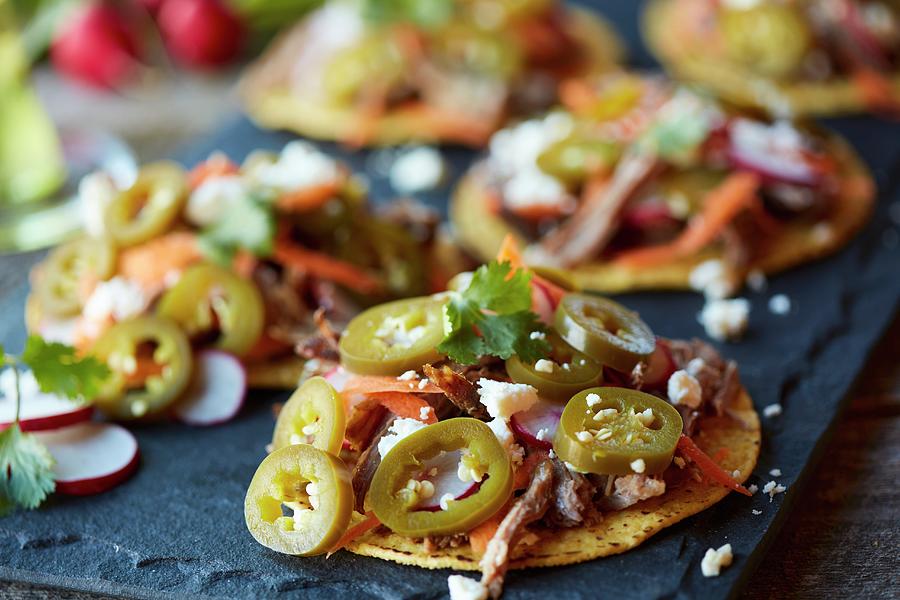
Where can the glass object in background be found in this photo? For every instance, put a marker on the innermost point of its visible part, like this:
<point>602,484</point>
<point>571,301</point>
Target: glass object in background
<point>31,160</point>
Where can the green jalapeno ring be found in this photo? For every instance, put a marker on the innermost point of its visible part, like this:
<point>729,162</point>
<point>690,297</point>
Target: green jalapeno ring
<point>118,347</point>
<point>314,411</point>
<point>208,296</point>
<point>149,207</point>
<point>604,330</point>
<point>571,372</point>
<point>404,459</point>
<point>282,479</point>
<point>392,338</point>
<point>621,438</point>
<point>61,274</point>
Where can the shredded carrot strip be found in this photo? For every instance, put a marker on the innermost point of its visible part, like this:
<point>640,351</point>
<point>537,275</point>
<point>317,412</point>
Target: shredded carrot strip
<point>326,267</point>
<point>361,528</point>
<point>720,207</point>
<point>577,95</point>
<point>149,263</point>
<point>374,384</point>
<point>215,166</point>
<point>309,198</point>
<point>482,534</point>
<point>244,263</point>
<point>710,469</point>
<point>876,89</point>
<point>405,405</point>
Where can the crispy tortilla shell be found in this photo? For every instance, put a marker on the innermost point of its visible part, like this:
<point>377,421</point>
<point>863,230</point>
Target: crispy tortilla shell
<point>740,85</point>
<point>481,231</point>
<point>269,100</point>
<point>618,531</point>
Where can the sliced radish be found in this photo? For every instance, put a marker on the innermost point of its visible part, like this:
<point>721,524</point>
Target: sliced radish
<point>648,216</point>
<point>445,480</point>
<point>217,390</point>
<point>338,378</point>
<point>660,367</point>
<point>39,411</point>
<point>542,304</point>
<point>537,425</point>
<point>775,152</point>
<point>91,458</point>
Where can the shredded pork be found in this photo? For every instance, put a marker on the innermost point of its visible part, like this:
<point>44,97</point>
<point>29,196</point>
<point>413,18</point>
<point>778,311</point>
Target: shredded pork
<point>459,390</point>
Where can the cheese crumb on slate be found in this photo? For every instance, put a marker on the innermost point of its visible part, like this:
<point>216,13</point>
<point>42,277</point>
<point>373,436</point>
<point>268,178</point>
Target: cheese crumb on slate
<point>752,488</point>
<point>779,304</point>
<point>775,472</point>
<point>466,588</point>
<point>712,278</point>
<point>715,560</point>
<point>417,170</point>
<point>772,488</point>
<point>756,512</point>
<point>725,319</point>
<point>756,280</point>
<point>772,410</point>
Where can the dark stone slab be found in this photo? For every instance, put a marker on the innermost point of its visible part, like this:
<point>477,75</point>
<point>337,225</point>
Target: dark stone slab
<point>177,527</point>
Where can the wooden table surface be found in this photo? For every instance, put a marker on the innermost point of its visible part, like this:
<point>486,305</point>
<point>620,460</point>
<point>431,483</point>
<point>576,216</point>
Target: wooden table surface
<point>842,539</point>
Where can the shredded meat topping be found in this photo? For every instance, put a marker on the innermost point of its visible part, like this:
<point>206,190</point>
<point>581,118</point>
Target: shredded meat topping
<point>573,495</point>
<point>440,542</point>
<point>530,507</point>
<point>631,489</point>
<point>718,378</point>
<point>459,390</point>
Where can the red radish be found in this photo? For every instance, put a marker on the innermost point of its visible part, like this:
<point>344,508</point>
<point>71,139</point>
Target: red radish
<point>660,367</point>
<point>542,417</point>
<point>97,45</point>
<point>542,304</point>
<point>201,33</point>
<point>775,152</point>
<point>91,458</point>
<point>151,6</point>
<point>445,480</point>
<point>217,390</point>
<point>39,411</point>
<point>866,41</point>
<point>338,378</point>
<point>647,216</point>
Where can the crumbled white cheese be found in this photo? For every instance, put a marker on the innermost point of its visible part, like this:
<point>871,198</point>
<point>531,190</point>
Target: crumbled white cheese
<point>756,512</point>
<point>424,413</point>
<point>638,466</point>
<point>516,149</point>
<point>736,474</point>
<point>646,417</point>
<point>423,383</point>
<point>417,170</point>
<point>772,410</point>
<point>542,434</point>
<point>592,400</point>
<point>95,192</point>
<point>398,430</point>
<point>775,472</point>
<point>505,436</point>
<point>504,399</point>
<point>779,304</point>
<point>534,188</point>
<point>757,281</point>
<point>684,389</point>
<point>116,299</point>
<point>465,588</point>
<point>695,365</point>
<point>393,332</point>
<point>407,376</point>
<point>299,166</point>
<point>544,366</point>
<point>772,488</point>
<point>752,488</point>
<point>608,413</point>
<point>537,335</point>
<point>725,319</point>
<point>213,198</point>
<point>712,278</point>
<point>584,436</point>
<point>714,560</point>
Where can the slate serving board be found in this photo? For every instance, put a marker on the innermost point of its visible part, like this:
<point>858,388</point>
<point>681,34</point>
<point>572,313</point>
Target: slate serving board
<point>177,527</point>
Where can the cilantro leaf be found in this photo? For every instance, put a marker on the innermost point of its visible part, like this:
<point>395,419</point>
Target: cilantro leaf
<point>248,224</point>
<point>26,470</point>
<point>680,128</point>
<point>492,317</point>
<point>58,370</point>
<point>424,13</point>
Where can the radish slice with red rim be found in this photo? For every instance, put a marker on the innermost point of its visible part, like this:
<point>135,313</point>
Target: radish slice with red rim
<point>542,304</point>
<point>445,480</point>
<point>338,378</point>
<point>537,425</point>
<point>39,411</point>
<point>775,152</point>
<point>91,458</point>
<point>216,392</point>
<point>660,367</point>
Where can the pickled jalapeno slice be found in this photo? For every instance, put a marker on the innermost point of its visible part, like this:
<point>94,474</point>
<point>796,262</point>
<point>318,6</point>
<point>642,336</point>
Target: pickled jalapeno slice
<point>559,376</point>
<point>149,207</point>
<point>313,415</point>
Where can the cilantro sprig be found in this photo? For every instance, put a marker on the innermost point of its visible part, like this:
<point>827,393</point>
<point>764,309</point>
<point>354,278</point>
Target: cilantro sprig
<point>26,466</point>
<point>249,224</point>
<point>492,317</point>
